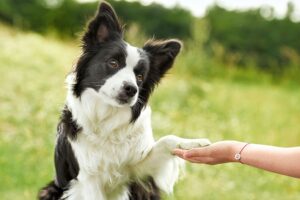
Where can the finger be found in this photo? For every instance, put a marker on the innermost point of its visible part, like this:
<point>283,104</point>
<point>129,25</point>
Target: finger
<point>201,160</point>
<point>178,152</point>
<point>196,152</point>
<point>192,160</point>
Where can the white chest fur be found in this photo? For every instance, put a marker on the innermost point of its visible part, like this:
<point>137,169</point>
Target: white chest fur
<point>107,148</point>
<point>112,156</point>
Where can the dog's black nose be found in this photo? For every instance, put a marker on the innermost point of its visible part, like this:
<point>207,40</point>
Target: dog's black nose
<point>130,90</point>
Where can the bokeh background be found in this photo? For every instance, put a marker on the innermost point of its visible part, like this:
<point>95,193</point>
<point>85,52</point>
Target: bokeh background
<point>237,78</point>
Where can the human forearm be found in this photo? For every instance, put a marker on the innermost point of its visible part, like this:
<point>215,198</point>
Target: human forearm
<point>280,160</point>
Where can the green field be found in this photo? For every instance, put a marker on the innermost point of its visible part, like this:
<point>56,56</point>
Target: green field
<point>197,99</point>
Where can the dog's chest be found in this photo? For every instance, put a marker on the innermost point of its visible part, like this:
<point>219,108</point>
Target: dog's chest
<point>111,159</point>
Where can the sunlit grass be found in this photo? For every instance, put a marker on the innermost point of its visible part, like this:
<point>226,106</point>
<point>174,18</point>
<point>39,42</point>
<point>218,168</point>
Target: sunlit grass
<point>192,101</point>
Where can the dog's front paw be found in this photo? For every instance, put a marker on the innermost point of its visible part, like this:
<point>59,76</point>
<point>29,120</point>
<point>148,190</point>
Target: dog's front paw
<point>188,144</point>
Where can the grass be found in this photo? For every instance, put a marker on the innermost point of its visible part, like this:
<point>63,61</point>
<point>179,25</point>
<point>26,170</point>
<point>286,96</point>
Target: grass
<point>194,100</point>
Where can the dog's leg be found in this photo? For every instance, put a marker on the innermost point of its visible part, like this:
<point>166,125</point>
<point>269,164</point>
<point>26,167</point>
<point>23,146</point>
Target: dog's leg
<point>85,188</point>
<point>162,165</point>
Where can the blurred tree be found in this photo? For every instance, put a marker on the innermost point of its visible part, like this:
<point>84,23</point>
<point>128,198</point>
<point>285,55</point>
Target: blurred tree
<point>290,10</point>
<point>250,37</point>
<point>155,20</point>
<point>25,14</point>
<point>68,16</point>
<point>234,37</point>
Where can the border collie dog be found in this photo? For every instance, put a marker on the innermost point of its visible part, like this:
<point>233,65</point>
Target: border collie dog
<point>105,148</point>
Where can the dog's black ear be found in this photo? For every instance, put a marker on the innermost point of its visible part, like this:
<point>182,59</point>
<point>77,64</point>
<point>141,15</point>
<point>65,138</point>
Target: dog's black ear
<point>162,54</point>
<point>103,27</point>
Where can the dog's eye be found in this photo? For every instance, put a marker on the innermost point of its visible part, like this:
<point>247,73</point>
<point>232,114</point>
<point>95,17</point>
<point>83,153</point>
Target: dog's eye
<point>113,63</point>
<point>140,77</point>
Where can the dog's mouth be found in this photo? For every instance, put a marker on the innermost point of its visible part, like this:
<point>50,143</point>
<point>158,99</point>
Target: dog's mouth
<point>122,99</point>
<point>125,100</point>
<point>119,101</point>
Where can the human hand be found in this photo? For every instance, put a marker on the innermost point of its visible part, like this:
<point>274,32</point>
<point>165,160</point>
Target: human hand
<point>217,153</point>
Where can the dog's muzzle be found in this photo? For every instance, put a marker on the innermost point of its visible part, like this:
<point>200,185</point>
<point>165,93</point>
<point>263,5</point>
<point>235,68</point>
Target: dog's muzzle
<point>127,93</point>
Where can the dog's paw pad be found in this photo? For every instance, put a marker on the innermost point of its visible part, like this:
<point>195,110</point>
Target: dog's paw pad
<point>193,143</point>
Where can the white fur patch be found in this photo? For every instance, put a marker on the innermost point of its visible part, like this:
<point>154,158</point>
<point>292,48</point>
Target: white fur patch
<point>113,85</point>
<point>133,56</point>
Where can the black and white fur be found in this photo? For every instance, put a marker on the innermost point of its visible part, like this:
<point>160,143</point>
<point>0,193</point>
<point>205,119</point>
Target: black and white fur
<point>105,148</point>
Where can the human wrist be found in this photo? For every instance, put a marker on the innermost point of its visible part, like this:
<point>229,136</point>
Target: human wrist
<point>235,148</point>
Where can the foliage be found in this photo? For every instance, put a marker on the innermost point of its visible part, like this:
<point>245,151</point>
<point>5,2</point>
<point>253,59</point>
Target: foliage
<point>155,20</point>
<point>199,98</point>
<point>253,38</point>
<point>67,17</point>
<point>246,37</point>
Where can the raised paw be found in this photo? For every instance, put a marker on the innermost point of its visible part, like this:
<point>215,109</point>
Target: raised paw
<point>188,144</point>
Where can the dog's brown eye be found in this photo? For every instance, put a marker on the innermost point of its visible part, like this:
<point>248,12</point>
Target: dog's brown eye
<point>140,77</point>
<point>113,63</point>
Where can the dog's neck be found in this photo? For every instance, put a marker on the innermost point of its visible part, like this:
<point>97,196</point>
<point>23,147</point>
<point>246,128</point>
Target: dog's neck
<point>96,116</point>
<point>93,115</point>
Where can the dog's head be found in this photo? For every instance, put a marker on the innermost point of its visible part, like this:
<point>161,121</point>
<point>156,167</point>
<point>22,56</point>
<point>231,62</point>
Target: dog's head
<point>121,74</point>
